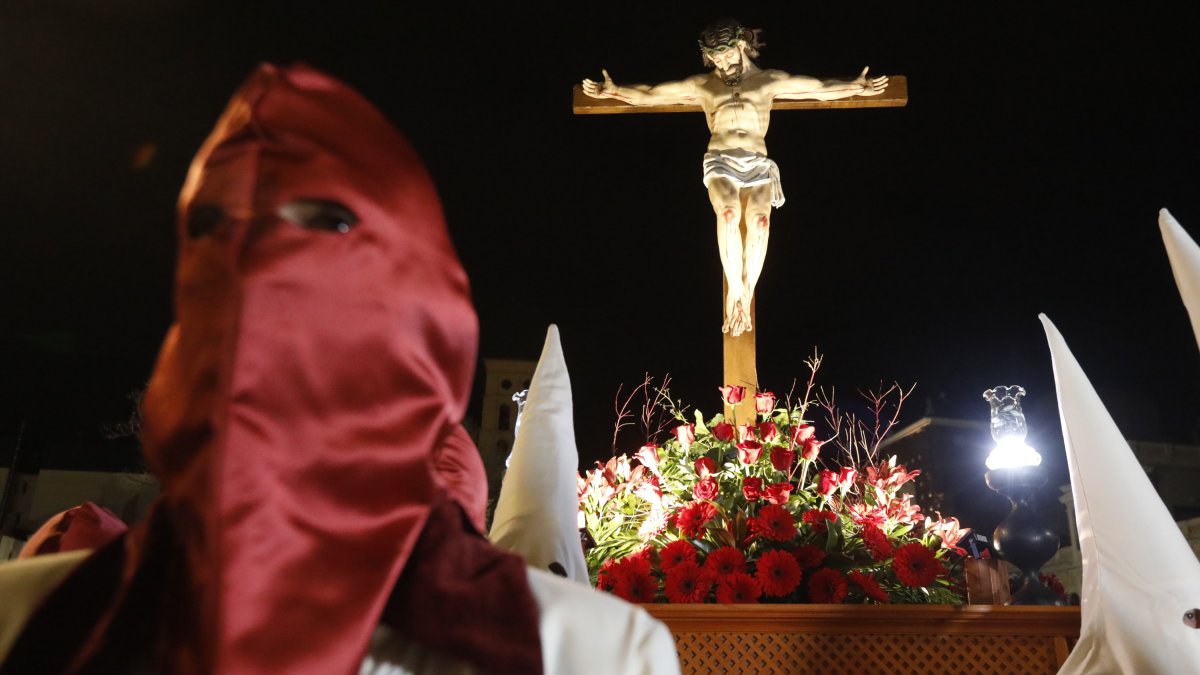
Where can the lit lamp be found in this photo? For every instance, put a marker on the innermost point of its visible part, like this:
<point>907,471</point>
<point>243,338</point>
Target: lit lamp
<point>1014,470</point>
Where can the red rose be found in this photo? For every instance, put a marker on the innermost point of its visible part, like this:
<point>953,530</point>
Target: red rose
<point>745,432</point>
<point>749,451</point>
<point>733,394</point>
<point>705,467</point>
<point>812,448</point>
<point>828,483</point>
<point>777,493</point>
<point>686,433</point>
<point>723,431</point>
<point>648,456</point>
<point>764,402</point>
<point>707,488</point>
<point>752,489</point>
<point>846,478</point>
<point>802,433</point>
<point>782,458</point>
<point>767,431</point>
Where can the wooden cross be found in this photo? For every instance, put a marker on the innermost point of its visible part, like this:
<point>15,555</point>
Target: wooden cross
<point>739,352</point>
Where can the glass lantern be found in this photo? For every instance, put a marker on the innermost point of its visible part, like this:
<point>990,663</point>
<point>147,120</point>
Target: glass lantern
<point>1008,429</point>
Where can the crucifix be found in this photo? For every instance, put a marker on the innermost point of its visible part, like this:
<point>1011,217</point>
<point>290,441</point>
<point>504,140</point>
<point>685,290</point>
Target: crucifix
<point>743,185</point>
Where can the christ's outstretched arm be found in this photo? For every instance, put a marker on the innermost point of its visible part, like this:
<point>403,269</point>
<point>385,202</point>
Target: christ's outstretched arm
<point>786,86</point>
<point>683,92</point>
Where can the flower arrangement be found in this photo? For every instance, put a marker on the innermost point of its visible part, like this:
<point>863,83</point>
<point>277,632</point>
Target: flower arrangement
<point>765,512</point>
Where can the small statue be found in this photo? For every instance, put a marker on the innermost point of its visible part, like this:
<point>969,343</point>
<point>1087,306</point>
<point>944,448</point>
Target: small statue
<point>520,398</point>
<point>743,184</point>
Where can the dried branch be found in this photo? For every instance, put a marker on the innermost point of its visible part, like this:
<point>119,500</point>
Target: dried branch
<point>654,421</point>
<point>827,401</point>
<point>651,417</point>
<point>622,410</point>
<point>879,401</point>
<point>814,364</point>
<point>857,439</point>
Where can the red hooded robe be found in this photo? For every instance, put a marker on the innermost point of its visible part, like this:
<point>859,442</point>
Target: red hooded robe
<point>323,348</point>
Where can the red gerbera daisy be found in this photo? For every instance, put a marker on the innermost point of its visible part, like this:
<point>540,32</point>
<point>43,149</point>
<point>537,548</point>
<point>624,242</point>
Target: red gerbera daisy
<point>778,573</point>
<point>877,542</point>
<point>809,556</point>
<point>819,519</point>
<point>675,553</point>
<point>686,582</point>
<point>737,588</point>
<point>869,585</point>
<point>773,522</point>
<point>640,557</point>
<point>725,561</point>
<point>635,588</point>
<point>827,585</point>
<point>605,577</point>
<point>693,517</point>
<point>631,566</point>
<point>916,565</point>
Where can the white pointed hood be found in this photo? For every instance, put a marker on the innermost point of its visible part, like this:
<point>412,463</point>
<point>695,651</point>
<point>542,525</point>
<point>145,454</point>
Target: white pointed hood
<point>1139,574</point>
<point>536,514</point>
<point>1185,263</point>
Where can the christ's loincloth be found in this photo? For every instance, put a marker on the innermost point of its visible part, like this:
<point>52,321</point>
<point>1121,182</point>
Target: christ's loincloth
<point>744,168</point>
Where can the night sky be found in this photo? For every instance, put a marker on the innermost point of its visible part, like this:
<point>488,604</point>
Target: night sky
<point>917,244</point>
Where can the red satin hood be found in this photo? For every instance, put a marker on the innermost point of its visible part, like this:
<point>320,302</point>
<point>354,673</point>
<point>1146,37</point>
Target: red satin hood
<point>308,378</point>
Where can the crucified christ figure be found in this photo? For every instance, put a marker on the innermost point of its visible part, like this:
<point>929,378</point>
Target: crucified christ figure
<point>743,184</point>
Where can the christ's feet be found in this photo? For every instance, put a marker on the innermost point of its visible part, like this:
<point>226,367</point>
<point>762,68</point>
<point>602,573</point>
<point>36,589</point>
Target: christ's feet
<point>737,320</point>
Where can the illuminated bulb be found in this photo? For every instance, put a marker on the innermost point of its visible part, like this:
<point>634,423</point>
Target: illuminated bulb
<point>1012,452</point>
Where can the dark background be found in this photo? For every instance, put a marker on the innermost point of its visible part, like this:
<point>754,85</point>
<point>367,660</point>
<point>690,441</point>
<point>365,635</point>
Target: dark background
<point>918,244</point>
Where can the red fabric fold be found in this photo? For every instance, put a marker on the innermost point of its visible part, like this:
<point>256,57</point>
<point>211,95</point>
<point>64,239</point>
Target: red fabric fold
<point>463,597</point>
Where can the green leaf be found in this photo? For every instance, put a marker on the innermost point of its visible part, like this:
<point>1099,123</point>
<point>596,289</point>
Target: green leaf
<point>721,535</point>
<point>831,538</point>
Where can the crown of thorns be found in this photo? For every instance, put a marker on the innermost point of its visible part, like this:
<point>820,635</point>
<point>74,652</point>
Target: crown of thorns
<point>725,35</point>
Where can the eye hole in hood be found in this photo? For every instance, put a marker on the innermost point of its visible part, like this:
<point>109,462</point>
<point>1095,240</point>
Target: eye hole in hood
<point>203,219</point>
<point>318,214</point>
